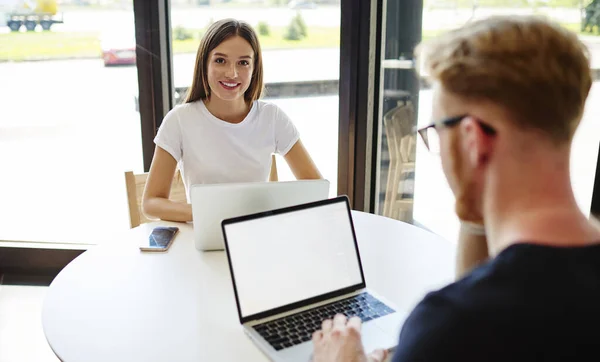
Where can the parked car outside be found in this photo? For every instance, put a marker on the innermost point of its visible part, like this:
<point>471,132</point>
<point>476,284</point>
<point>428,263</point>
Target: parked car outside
<point>118,48</point>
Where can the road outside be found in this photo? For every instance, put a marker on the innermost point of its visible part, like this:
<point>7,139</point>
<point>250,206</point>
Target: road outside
<point>69,128</point>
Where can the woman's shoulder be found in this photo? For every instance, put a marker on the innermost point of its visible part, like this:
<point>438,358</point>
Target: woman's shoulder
<point>184,113</point>
<point>268,109</point>
<point>185,108</point>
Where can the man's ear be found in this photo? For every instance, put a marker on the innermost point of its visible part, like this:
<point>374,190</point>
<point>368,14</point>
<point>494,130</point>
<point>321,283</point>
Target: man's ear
<point>476,143</point>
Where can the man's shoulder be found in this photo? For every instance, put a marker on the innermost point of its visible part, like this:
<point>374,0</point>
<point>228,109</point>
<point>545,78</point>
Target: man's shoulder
<point>428,331</point>
<point>498,305</point>
<point>444,319</point>
<point>451,302</point>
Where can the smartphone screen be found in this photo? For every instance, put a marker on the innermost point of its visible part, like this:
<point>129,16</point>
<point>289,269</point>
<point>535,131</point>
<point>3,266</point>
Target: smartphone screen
<point>160,239</point>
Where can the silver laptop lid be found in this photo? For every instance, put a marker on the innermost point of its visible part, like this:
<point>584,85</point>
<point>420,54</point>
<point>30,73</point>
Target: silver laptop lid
<point>291,257</point>
<point>213,203</point>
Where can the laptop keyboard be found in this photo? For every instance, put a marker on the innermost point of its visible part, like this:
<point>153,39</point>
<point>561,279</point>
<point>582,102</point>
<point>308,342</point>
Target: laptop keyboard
<point>298,328</point>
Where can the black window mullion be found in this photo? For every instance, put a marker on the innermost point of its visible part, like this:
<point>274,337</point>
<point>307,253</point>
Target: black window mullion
<point>153,53</point>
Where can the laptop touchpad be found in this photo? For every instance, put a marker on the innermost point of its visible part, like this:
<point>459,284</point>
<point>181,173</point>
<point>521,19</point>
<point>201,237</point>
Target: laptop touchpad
<point>374,338</point>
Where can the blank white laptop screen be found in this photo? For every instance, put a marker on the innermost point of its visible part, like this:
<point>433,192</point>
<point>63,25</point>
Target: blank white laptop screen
<point>285,258</point>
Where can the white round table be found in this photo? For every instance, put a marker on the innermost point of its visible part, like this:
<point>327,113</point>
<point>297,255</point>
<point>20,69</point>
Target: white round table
<point>115,303</point>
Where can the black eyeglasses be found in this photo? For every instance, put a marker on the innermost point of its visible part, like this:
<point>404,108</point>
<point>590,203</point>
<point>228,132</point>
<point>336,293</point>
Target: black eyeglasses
<point>431,138</point>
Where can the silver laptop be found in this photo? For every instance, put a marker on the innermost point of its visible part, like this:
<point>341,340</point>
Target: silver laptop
<point>215,202</point>
<point>292,268</point>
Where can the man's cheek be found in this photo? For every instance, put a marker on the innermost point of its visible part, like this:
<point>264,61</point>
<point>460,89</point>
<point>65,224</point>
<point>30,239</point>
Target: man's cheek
<point>448,168</point>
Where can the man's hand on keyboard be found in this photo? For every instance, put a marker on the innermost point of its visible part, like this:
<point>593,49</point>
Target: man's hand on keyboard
<point>339,340</point>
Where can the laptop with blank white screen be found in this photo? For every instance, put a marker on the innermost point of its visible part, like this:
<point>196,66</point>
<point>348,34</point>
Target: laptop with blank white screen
<point>212,203</point>
<point>292,268</point>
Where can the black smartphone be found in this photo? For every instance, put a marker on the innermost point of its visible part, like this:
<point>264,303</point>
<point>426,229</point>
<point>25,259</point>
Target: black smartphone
<point>160,239</point>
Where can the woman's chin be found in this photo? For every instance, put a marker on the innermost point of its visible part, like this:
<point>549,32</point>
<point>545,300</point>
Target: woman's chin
<point>229,96</point>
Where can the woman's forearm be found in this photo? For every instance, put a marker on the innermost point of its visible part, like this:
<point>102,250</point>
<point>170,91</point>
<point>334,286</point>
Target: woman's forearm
<point>166,209</point>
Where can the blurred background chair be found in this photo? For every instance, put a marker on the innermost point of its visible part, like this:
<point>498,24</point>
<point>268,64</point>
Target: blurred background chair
<point>401,140</point>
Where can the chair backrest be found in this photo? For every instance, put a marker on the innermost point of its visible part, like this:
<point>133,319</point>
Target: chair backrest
<point>402,141</point>
<point>135,184</point>
<point>273,174</point>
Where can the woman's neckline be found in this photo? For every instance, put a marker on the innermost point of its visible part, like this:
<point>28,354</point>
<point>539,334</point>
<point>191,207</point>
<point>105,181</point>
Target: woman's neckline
<point>220,121</point>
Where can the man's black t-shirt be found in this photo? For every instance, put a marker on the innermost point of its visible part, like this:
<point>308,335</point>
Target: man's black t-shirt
<point>530,303</point>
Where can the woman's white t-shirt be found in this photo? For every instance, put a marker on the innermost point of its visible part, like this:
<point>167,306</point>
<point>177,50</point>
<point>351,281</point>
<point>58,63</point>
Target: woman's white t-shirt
<point>209,150</point>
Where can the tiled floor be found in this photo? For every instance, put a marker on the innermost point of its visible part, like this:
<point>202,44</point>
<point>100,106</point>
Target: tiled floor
<point>21,335</point>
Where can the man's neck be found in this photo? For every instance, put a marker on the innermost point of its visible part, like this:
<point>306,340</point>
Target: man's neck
<point>535,205</point>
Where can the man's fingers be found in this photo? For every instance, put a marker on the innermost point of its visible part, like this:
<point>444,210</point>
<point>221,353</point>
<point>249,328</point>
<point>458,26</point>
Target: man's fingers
<point>326,325</point>
<point>355,323</point>
<point>317,336</point>
<point>339,320</point>
<point>378,355</point>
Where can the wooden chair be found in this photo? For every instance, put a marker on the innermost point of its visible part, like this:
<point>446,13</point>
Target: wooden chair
<point>273,176</point>
<point>398,123</point>
<point>135,184</point>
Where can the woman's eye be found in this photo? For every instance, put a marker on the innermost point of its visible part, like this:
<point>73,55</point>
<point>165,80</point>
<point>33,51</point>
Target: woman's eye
<point>244,62</point>
<point>220,60</point>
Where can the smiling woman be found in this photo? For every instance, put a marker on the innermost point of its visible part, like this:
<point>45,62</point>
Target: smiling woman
<point>222,133</point>
<point>229,51</point>
<point>225,70</point>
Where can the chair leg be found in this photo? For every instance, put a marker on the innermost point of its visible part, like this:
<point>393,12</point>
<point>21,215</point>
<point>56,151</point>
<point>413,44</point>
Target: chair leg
<point>392,187</point>
<point>388,194</point>
<point>395,184</point>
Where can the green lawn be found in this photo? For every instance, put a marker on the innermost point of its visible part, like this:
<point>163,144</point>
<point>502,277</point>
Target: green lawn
<point>316,38</point>
<point>428,34</point>
<point>24,46</point>
<point>467,4</point>
<point>54,45</point>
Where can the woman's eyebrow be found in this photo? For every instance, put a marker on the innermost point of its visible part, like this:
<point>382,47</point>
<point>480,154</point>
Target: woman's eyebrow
<point>225,56</point>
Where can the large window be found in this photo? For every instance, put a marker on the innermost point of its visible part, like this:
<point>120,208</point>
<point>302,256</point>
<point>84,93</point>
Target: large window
<point>300,42</point>
<point>85,91</point>
<point>69,127</point>
<point>410,182</point>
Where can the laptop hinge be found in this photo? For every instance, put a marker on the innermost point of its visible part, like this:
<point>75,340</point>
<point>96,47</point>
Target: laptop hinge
<point>305,308</point>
